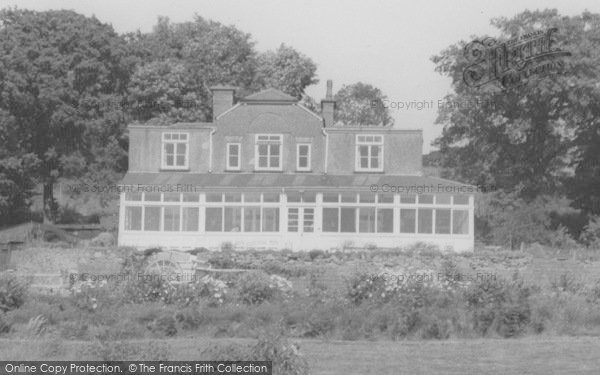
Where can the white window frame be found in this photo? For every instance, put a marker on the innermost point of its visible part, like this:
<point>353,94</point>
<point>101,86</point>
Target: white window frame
<point>164,143</point>
<point>363,142</point>
<point>256,154</point>
<point>308,157</point>
<point>239,156</point>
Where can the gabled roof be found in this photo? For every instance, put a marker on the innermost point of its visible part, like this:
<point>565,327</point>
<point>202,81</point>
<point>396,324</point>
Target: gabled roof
<point>270,96</point>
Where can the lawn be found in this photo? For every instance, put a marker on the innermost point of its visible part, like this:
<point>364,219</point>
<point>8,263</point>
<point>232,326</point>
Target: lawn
<point>539,355</point>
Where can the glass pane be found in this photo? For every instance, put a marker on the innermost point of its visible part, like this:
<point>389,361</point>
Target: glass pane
<point>461,199</point>
<point>171,197</point>
<point>364,151</point>
<point>180,160</point>
<point>263,150</point>
<point>233,219</point>
<point>270,197</point>
<point>309,197</point>
<point>442,199</point>
<point>270,219</point>
<point>425,199</point>
<point>309,219</point>
<point>171,218</point>
<point>294,197</point>
<point>442,221</point>
<point>152,197</point>
<point>252,219</point>
<point>385,198</point>
<point>330,220</point>
<point>233,197</point>
<point>251,197</point>
<point>348,219</point>
<point>133,196</point>
<point>214,219</point>
<point>233,150</point>
<point>293,214</point>
<point>170,160</point>
<point>348,198</point>
<point>460,222</point>
<point>181,149</point>
<point>330,197</point>
<point>385,220</point>
<point>367,198</point>
<point>233,161</point>
<point>274,162</point>
<point>133,218</point>
<point>190,218</point>
<point>169,148</point>
<point>152,218</point>
<point>408,199</point>
<point>366,219</point>
<point>214,197</point>
<point>191,197</point>
<point>425,219</point>
<point>407,220</point>
<point>262,161</point>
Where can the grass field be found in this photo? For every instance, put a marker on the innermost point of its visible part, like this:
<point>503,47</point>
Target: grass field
<point>540,355</point>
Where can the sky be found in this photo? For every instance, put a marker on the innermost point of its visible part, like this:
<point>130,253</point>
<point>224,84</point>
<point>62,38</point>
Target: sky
<point>387,44</point>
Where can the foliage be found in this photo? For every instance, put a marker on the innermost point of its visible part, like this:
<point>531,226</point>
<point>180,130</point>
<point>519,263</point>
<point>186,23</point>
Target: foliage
<point>12,292</point>
<point>258,287</point>
<point>354,106</point>
<point>591,233</point>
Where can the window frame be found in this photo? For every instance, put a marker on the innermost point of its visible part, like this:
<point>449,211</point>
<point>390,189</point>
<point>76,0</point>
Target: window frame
<point>369,144</point>
<point>257,166</point>
<point>164,142</point>
<point>229,167</point>
<point>308,157</point>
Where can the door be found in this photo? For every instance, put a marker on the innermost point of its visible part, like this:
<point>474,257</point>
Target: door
<point>301,220</point>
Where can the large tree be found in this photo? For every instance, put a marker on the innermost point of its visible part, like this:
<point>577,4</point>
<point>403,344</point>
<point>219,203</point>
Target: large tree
<point>530,135</point>
<point>62,76</point>
<point>361,104</point>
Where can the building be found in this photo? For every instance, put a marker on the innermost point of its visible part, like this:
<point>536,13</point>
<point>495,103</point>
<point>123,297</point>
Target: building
<point>269,173</point>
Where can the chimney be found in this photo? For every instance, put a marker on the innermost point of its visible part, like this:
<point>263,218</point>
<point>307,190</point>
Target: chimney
<point>222,99</point>
<point>328,105</point>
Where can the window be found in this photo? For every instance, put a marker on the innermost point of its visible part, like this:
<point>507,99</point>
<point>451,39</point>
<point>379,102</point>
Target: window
<point>366,220</point>
<point>385,220</point>
<point>214,219</point>
<point>461,199</point>
<point>460,222</point>
<point>171,197</point>
<point>330,219</point>
<point>309,219</point>
<point>152,218</point>
<point>175,151</point>
<point>293,219</point>
<point>407,220</point>
<point>233,156</point>
<point>133,196</point>
<point>190,197</point>
<point>425,220</point>
<point>303,157</point>
<point>442,199</point>
<point>189,219</point>
<point>233,219</point>
<point>331,198</point>
<point>133,218</point>
<point>408,198</point>
<point>426,199</point>
<point>369,153</point>
<point>152,197</point>
<point>171,218</point>
<point>348,219</point>
<point>385,198</point>
<point>270,217</point>
<point>442,221</point>
<point>251,219</point>
<point>268,152</point>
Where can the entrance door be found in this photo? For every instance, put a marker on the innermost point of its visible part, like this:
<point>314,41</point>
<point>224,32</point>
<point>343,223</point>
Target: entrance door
<point>301,220</point>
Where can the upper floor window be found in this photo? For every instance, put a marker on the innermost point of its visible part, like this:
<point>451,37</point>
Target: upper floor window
<point>268,152</point>
<point>369,153</point>
<point>303,157</point>
<point>233,156</point>
<point>175,150</point>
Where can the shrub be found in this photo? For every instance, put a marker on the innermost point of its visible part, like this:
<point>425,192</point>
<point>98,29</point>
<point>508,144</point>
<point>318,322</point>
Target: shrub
<point>4,324</point>
<point>285,356</point>
<point>12,292</point>
<point>258,287</point>
<point>315,253</point>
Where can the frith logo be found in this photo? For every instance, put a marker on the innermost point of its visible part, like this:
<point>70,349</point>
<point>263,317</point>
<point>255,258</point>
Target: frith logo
<point>511,63</point>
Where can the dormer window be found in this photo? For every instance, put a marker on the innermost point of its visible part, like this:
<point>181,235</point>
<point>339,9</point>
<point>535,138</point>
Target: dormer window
<point>369,153</point>
<point>175,151</point>
<point>303,157</point>
<point>268,152</point>
<point>233,156</point>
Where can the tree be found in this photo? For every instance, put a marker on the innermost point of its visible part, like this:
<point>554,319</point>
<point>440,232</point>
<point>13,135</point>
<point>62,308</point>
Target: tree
<point>58,72</point>
<point>285,69</point>
<point>524,137</point>
<point>361,104</point>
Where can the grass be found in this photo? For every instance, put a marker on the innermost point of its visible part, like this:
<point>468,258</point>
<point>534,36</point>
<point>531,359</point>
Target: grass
<point>539,355</point>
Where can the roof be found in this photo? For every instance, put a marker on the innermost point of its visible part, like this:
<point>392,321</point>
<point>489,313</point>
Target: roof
<point>269,96</point>
<point>360,182</point>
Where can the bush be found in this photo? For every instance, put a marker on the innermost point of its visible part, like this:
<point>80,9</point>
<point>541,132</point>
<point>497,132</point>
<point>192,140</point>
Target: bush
<point>258,287</point>
<point>12,292</point>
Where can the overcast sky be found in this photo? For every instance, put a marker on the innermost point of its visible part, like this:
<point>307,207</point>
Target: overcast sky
<point>385,43</point>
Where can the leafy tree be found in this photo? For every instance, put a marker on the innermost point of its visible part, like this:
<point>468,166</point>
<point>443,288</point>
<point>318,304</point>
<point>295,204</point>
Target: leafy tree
<point>361,104</point>
<point>525,137</point>
<point>58,70</point>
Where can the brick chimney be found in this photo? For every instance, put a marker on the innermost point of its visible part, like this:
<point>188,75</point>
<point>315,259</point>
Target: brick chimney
<point>222,99</point>
<point>328,105</point>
